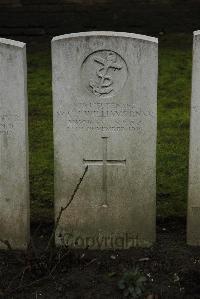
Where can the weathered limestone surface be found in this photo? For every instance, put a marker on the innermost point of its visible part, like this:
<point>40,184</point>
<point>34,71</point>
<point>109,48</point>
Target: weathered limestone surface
<point>193,220</point>
<point>14,186</point>
<point>105,101</point>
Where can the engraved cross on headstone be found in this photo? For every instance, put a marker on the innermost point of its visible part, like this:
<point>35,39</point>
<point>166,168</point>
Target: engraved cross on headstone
<point>104,163</point>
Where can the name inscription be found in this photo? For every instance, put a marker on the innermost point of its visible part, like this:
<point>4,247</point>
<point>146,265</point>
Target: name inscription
<point>104,117</point>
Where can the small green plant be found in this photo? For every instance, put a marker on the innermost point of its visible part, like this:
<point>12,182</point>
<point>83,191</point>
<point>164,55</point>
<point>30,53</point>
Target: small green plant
<point>132,283</point>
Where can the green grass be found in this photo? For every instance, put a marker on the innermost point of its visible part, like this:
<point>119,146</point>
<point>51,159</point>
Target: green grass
<point>173,128</point>
<point>174,87</point>
<point>40,135</point>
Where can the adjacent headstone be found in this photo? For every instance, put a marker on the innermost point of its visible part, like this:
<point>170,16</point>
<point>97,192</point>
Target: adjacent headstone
<point>14,187</point>
<point>193,219</point>
<point>105,100</point>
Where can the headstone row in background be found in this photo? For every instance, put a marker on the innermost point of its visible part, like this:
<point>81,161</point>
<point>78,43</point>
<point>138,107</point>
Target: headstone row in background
<point>105,117</point>
<point>14,182</point>
<point>193,219</point>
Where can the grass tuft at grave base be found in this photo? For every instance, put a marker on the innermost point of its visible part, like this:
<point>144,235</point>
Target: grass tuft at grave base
<point>174,88</point>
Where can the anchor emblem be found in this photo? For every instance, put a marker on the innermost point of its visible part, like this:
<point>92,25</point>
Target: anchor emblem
<point>104,84</point>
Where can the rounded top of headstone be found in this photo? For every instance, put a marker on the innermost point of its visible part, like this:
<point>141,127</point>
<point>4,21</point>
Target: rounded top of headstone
<point>197,32</point>
<point>11,42</point>
<point>106,33</point>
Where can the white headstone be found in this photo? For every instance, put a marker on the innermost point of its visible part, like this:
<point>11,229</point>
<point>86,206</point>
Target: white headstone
<point>105,100</point>
<point>14,187</point>
<point>193,220</point>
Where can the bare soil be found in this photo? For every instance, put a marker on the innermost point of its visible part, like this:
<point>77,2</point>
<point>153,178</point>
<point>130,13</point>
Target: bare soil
<point>172,268</point>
